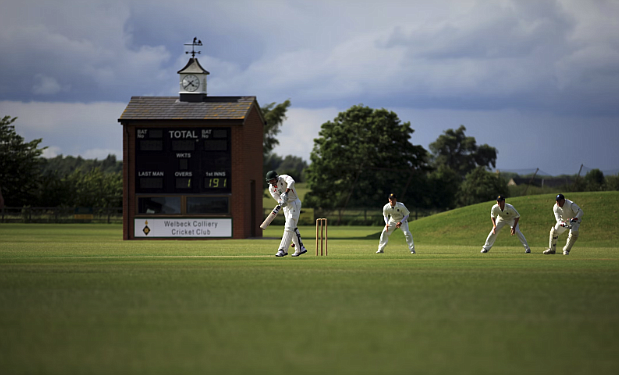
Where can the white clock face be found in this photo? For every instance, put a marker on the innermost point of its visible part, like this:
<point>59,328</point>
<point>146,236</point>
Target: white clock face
<point>191,83</point>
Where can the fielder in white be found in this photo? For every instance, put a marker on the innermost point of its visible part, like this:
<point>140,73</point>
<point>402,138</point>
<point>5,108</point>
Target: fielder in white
<point>396,216</point>
<point>568,216</point>
<point>283,191</point>
<point>501,214</point>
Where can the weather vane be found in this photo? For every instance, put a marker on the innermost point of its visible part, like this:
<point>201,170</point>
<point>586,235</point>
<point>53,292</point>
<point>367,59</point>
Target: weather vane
<point>195,43</point>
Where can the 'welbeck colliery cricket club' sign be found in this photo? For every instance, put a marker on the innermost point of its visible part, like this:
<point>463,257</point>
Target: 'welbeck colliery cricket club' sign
<point>182,227</point>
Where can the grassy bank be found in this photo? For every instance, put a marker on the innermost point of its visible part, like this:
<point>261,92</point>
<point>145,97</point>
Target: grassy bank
<point>471,225</point>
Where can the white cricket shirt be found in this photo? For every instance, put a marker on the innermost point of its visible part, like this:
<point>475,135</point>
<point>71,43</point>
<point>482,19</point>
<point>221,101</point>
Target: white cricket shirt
<point>508,213</point>
<point>284,182</point>
<point>397,212</point>
<point>569,210</point>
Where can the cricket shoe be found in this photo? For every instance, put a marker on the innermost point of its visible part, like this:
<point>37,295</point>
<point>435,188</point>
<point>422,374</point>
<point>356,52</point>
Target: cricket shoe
<point>549,251</point>
<point>413,251</point>
<point>380,252</point>
<point>527,251</point>
<point>299,252</point>
<point>281,253</point>
<point>565,252</point>
<point>484,251</point>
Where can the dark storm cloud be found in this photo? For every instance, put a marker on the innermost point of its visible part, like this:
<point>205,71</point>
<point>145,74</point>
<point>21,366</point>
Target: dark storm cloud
<point>556,60</point>
<point>477,55</point>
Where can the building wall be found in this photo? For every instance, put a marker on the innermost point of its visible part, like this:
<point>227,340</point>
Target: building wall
<point>247,167</point>
<point>238,201</point>
<point>254,131</point>
<point>128,181</point>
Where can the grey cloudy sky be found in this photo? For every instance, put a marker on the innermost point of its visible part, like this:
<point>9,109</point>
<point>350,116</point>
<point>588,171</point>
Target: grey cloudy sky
<point>537,79</point>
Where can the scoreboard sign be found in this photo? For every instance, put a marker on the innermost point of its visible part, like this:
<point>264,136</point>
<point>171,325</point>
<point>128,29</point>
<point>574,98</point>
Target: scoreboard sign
<point>183,161</point>
<point>182,228</point>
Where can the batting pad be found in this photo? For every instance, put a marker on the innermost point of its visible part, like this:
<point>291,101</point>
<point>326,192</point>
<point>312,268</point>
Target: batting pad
<point>296,239</point>
<point>570,241</point>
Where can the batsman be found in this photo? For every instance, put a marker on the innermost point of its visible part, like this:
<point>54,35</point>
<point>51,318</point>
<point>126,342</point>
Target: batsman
<point>282,189</point>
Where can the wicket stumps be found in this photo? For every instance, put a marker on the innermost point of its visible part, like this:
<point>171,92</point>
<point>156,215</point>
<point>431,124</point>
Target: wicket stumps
<point>321,235</point>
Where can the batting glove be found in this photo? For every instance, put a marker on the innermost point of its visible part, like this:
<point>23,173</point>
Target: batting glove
<point>284,197</point>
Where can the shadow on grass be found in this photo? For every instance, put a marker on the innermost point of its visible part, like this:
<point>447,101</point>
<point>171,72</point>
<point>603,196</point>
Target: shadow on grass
<point>373,236</point>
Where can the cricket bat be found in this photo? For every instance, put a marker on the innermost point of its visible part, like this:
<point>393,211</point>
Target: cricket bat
<point>271,217</point>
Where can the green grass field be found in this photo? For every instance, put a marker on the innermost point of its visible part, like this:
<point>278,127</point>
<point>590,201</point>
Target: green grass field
<point>76,299</point>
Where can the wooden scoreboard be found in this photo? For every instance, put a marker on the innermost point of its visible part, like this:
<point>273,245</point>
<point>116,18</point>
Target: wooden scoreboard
<point>169,159</point>
<point>192,165</point>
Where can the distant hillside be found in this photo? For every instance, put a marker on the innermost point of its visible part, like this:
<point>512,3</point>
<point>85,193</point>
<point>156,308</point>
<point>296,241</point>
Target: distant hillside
<point>471,225</point>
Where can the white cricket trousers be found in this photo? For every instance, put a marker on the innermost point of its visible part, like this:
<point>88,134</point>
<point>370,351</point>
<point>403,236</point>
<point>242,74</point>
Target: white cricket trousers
<point>291,233</point>
<point>384,236</point>
<point>500,224</point>
<point>558,230</point>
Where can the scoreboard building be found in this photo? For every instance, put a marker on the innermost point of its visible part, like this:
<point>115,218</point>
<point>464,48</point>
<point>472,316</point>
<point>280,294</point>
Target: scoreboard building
<point>192,163</point>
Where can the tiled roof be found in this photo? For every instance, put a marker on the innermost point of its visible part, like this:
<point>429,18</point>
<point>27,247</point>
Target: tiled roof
<point>171,108</point>
<point>193,66</point>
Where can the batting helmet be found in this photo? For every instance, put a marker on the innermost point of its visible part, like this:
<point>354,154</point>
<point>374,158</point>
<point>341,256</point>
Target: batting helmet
<point>271,175</point>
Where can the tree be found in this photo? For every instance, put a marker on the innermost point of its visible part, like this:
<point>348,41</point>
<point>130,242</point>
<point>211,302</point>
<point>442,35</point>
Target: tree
<point>360,157</point>
<point>461,153</point>
<point>481,185</point>
<point>594,180</point>
<point>274,116</point>
<point>442,191</point>
<point>290,165</point>
<point>19,165</point>
<point>65,165</point>
<point>93,188</point>
<point>612,182</point>
<point>54,191</point>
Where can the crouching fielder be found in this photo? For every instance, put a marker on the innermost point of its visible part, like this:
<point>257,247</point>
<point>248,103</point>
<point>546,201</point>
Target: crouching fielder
<point>283,191</point>
<point>502,214</point>
<point>396,216</point>
<point>568,216</point>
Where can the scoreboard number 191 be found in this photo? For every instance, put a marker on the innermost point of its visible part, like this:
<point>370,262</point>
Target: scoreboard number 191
<point>215,182</point>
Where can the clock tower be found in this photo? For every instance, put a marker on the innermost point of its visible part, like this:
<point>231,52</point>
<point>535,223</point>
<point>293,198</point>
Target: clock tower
<point>193,77</point>
<point>192,168</point>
